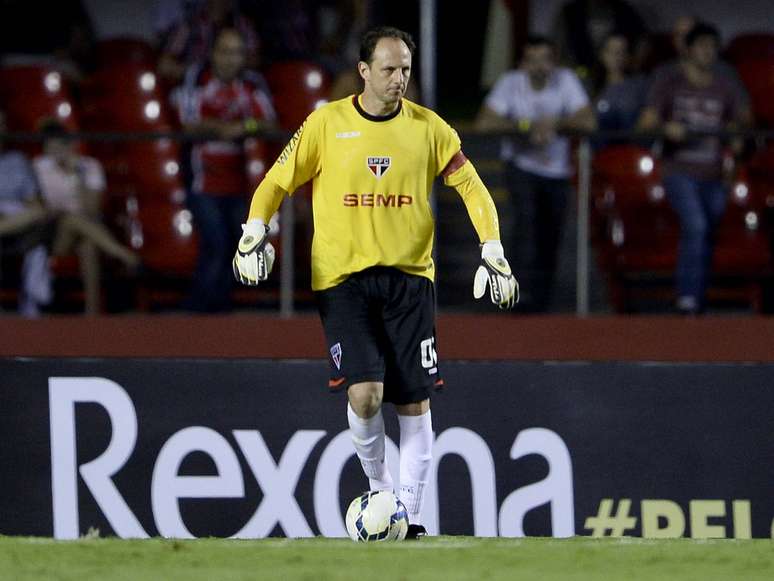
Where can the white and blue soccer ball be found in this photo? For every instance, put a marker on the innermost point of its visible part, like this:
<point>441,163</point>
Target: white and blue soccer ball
<point>377,516</point>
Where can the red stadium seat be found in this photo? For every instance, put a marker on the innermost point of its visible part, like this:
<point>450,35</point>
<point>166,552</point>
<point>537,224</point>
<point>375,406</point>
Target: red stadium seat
<point>625,167</point>
<point>123,51</point>
<point>166,243</point>
<point>750,46</point>
<point>640,227</point>
<point>153,167</point>
<point>31,93</point>
<point>258,157</point>
<point>125,99</point>
<point>128,99</point>
<point>637,232</point>
<point>758,177</point>
<point>758,77</point>
<point>298,88</point>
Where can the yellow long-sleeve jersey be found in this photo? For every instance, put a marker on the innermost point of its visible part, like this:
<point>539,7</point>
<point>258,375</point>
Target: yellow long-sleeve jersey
<point>371,182</point>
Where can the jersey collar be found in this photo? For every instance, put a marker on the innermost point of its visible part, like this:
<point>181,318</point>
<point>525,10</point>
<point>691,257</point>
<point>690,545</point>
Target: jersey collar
<point>366,115</point>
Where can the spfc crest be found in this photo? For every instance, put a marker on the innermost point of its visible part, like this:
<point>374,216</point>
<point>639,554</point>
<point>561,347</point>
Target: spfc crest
<point>378,165</point>
<point>336,355</point>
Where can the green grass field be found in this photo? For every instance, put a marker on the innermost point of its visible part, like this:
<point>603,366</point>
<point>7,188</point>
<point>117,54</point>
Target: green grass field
<point>444,558</point>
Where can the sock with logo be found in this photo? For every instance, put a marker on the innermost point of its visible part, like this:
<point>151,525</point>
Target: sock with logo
<point>368,438</point>
<point>416,454</point>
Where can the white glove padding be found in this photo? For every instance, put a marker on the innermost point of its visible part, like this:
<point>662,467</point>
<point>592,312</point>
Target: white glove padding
<point>254,257</point>
<point>494,270</point>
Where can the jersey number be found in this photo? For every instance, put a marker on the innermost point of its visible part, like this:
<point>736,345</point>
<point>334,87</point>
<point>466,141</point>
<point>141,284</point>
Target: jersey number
<point>429,356</point>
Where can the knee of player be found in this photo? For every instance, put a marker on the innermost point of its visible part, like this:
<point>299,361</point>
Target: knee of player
<point>365,399</point>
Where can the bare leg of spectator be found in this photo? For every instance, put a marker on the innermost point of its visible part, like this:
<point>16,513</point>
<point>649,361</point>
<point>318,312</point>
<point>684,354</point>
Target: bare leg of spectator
<point>15,223</point>
<point>90,272</point>
<point>100,236</point>
<point>64,239</point>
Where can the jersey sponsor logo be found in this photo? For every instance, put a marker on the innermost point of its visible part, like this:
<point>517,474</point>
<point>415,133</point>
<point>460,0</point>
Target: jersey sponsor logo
<point>347,134</point>
<point>336,355</point>
<point>286,153</point>
<point>377,200</point>
<point>378,165</point>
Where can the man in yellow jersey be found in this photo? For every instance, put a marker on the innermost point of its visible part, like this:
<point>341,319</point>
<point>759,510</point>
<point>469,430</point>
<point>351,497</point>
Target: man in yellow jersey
<point>372,159</point>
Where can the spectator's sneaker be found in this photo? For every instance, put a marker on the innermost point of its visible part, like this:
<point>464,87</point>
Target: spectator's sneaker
<point>688,305</point>
<point>415,532</point>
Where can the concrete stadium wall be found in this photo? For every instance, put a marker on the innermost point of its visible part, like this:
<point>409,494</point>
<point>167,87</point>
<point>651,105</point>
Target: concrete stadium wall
<point>492,337</point>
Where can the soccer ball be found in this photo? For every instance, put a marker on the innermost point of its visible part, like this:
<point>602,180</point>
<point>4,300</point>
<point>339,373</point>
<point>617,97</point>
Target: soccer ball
<point>377,516</point>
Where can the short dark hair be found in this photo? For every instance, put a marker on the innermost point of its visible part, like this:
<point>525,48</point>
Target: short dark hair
<point>534,40</point>
<point>372,37</point>
<point>699,30</point>
<point>51,128</point>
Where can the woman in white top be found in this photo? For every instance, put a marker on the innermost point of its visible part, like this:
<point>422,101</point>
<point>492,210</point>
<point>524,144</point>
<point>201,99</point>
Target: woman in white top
<point>72,186</point>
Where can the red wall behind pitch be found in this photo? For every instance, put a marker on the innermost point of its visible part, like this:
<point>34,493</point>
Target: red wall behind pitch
<point>459,337</point>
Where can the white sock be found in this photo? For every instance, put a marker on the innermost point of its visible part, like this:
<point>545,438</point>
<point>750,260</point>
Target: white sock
<point>368,438</point>
<point>416,454</point>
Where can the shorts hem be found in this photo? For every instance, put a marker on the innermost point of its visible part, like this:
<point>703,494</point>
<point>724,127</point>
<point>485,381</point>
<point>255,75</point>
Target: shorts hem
<point>336,385</point>
<point>407,396</point>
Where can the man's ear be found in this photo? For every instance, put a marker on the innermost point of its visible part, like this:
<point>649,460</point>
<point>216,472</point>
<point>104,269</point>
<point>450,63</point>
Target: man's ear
<point>363,69</point>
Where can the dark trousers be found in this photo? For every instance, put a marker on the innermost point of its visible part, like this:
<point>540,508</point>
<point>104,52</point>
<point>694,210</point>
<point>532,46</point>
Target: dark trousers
<point>700,205</point>
<point>539,208</point>
<point>218,219</point>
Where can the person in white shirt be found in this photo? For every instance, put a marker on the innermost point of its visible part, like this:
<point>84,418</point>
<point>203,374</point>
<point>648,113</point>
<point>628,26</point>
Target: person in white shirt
<point>23,227</point>
<point>538,100</point>
<point>72,185</point>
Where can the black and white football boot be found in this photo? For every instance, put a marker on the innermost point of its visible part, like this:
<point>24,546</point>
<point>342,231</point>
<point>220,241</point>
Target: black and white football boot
<point>415,532</point>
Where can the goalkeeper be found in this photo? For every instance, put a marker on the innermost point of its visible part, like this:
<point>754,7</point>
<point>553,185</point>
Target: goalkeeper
<point>372,159</point>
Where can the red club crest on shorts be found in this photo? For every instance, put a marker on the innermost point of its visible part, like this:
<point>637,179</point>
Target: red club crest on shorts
<point>378,165</point>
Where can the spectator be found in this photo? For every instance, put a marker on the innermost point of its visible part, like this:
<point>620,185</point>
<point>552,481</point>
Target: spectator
<point>22,227</point>
<point>225,100</point>
<point>618,96</point>
<point>72,186</point>
<point>582,26</point>
<point>539,100</point>
<point>289,29</point>
<point>191,42</point>
<point>694,97</point>
<point>341,24</point>
<point>167,15</point>
<point>683,25</point>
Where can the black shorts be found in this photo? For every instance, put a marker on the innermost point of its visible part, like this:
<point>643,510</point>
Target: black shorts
<point>380,326</point>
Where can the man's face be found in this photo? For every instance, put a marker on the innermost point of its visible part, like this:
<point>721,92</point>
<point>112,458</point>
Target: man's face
<point>228,56</point>
<point>615,53</point>
<point>703,52</point>
<point>538,62</point>
<point>388,74</point>
<point>59,149</point>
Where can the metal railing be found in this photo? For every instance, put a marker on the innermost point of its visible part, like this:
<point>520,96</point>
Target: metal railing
<point>287,218</point>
